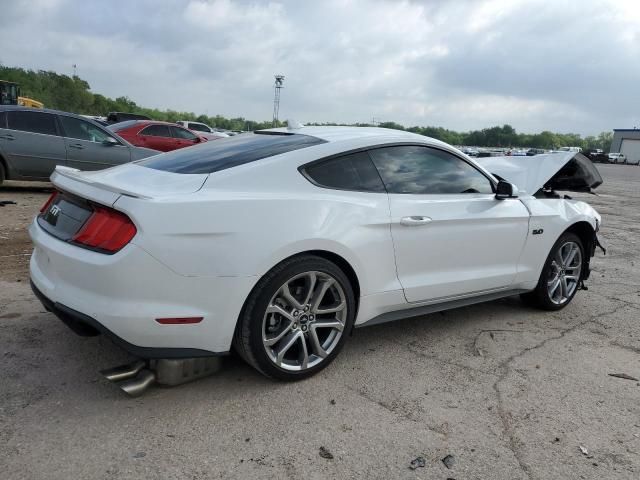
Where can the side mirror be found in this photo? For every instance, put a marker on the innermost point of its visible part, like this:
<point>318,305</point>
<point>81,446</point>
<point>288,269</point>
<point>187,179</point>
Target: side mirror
<point>506,190</point>
<point>109,142</point>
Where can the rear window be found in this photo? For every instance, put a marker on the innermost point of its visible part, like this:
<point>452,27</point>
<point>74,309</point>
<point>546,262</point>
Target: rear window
<point>116,127</point>
<point>34,122</point>
<point>228,152</point>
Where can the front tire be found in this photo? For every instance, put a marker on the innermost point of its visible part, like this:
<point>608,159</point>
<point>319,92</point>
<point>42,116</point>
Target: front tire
<point>296,319</point>
<point>561,275</point>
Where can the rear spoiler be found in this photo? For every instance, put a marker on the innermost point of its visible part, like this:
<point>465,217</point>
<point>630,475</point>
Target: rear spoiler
<point>82,184</point>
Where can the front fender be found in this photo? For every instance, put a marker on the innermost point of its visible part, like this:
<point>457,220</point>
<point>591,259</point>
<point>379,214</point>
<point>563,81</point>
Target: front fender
<point>550,218</point>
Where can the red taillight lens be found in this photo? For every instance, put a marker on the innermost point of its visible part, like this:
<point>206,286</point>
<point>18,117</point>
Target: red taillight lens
<point>106,229</point>
<point>49,201</point>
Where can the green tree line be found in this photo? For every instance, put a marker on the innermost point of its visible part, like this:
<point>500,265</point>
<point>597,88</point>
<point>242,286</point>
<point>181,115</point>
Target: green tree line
<point>73,94</point>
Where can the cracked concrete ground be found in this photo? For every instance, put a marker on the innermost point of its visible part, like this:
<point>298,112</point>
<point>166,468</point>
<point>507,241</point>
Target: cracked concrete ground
<point>509,391</point>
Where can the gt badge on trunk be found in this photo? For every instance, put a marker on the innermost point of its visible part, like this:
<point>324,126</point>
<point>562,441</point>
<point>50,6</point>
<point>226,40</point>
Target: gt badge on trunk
<point>52,214</point>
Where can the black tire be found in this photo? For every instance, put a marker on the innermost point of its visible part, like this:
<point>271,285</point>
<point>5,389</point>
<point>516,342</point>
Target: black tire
<point>3,175</point>
<point>540,297</point>
<point>248,337</point>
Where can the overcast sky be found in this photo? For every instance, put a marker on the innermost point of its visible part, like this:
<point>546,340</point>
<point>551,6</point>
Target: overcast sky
<point>566,66</point>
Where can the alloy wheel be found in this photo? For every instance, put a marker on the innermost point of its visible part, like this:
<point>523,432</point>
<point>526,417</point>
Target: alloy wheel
<point>564,274</point>
<point>304,321</point>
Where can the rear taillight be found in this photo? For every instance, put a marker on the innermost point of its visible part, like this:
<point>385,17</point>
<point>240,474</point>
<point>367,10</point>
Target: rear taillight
<point>106,229</point>
<point>49,201</point>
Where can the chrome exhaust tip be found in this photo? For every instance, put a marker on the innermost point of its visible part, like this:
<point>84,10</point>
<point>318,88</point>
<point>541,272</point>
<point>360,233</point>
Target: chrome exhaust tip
<point>124,372</point>
<point>134,379</point>
<point>135,387</point>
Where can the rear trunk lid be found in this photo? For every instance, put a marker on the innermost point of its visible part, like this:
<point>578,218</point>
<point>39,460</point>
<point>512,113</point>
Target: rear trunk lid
<point>82,193</point>
<point>570,171</point>
<point>106,186</point>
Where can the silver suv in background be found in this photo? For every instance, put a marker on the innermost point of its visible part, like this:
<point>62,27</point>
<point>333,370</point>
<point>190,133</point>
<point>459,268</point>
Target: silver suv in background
<point>34,141</point>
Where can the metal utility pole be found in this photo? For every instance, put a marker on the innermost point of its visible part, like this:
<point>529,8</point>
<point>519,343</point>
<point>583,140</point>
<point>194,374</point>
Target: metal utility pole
<point>75,70</point>
<point>276,98</point>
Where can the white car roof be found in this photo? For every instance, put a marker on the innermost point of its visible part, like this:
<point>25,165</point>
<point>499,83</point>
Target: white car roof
<point>339,134</point>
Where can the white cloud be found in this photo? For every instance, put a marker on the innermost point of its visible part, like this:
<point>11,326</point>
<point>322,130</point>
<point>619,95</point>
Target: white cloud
<point>564,66</point>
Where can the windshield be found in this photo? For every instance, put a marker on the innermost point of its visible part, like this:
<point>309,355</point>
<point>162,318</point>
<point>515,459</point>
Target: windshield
<point>228,152</point>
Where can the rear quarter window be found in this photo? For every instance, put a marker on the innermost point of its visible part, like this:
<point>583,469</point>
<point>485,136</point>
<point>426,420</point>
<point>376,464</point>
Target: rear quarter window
<point>354,172</point>
<point>228,152</point>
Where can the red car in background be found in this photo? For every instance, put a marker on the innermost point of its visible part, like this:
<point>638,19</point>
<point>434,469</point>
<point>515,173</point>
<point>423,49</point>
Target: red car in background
<point>162,136</point>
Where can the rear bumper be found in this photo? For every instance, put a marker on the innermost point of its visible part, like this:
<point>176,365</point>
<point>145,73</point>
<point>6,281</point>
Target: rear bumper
<point>86,326</point>
<point>122,295</point>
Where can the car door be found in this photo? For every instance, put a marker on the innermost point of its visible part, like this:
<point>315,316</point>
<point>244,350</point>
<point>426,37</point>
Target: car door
<point>157,137</point>
<point>184,138</point>
<point>452,237</point>
<point>90,147</point>
<point>32,144</point>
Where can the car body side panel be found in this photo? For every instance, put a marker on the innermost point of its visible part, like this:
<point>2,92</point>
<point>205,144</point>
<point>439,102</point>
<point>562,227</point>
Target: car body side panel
<point>471,243</point>
<point>549,219</point>
<point>88,155</point>
<point>32,155</point>
<point>237,234</point>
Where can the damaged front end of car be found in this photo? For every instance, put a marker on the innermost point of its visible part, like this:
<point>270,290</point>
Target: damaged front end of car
<point>542,177</point>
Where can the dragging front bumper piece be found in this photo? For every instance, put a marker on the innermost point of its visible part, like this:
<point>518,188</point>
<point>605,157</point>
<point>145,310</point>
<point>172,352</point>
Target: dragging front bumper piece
<point>164,366</point>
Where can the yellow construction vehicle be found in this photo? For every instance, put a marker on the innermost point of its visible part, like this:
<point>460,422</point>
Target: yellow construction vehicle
<point>10,95</point>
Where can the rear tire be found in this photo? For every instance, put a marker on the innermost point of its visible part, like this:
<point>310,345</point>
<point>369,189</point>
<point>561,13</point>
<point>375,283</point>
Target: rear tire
<point>296,319</point>
<point>561,275</point>
<point>2,173</point>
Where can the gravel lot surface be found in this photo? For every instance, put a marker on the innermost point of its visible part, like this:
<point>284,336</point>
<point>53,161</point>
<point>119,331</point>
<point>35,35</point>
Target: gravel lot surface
<point>508,392</point>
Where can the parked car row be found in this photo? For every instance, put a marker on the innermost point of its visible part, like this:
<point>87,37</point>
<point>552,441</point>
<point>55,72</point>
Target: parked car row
<point>161,136</point>
<point>33,142</point>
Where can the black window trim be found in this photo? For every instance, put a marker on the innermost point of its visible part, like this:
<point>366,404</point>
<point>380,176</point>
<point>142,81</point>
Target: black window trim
<point>302,168</point>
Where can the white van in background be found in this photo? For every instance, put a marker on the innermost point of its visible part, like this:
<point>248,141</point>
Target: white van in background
<point>202,129</point>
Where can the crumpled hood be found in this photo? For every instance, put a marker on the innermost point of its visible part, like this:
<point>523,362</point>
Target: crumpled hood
<point>559,171</point>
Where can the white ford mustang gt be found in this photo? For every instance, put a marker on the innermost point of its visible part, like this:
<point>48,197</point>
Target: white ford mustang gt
<point>277,243</point>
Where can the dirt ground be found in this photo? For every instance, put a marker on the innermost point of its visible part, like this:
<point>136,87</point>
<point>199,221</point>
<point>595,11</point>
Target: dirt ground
<point>508,392</point>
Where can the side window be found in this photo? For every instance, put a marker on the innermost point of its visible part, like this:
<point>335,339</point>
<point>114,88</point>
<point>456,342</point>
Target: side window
<point>156,131</point>
<point>34,122</point>
<point>81,130</point>
<point>348,172</point>
<point>183,133</point>
<point>198,127</point>
<point>424,170</point>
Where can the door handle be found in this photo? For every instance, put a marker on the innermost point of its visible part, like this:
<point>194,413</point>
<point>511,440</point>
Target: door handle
<point>8,136</point>
<point>415,221</point>
<point>77,145</point>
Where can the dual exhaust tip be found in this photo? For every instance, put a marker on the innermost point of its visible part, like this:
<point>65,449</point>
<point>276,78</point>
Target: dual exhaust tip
<point>135,378</point>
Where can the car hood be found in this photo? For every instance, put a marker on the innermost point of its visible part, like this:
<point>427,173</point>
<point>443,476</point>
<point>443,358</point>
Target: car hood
<point>568,171</point>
